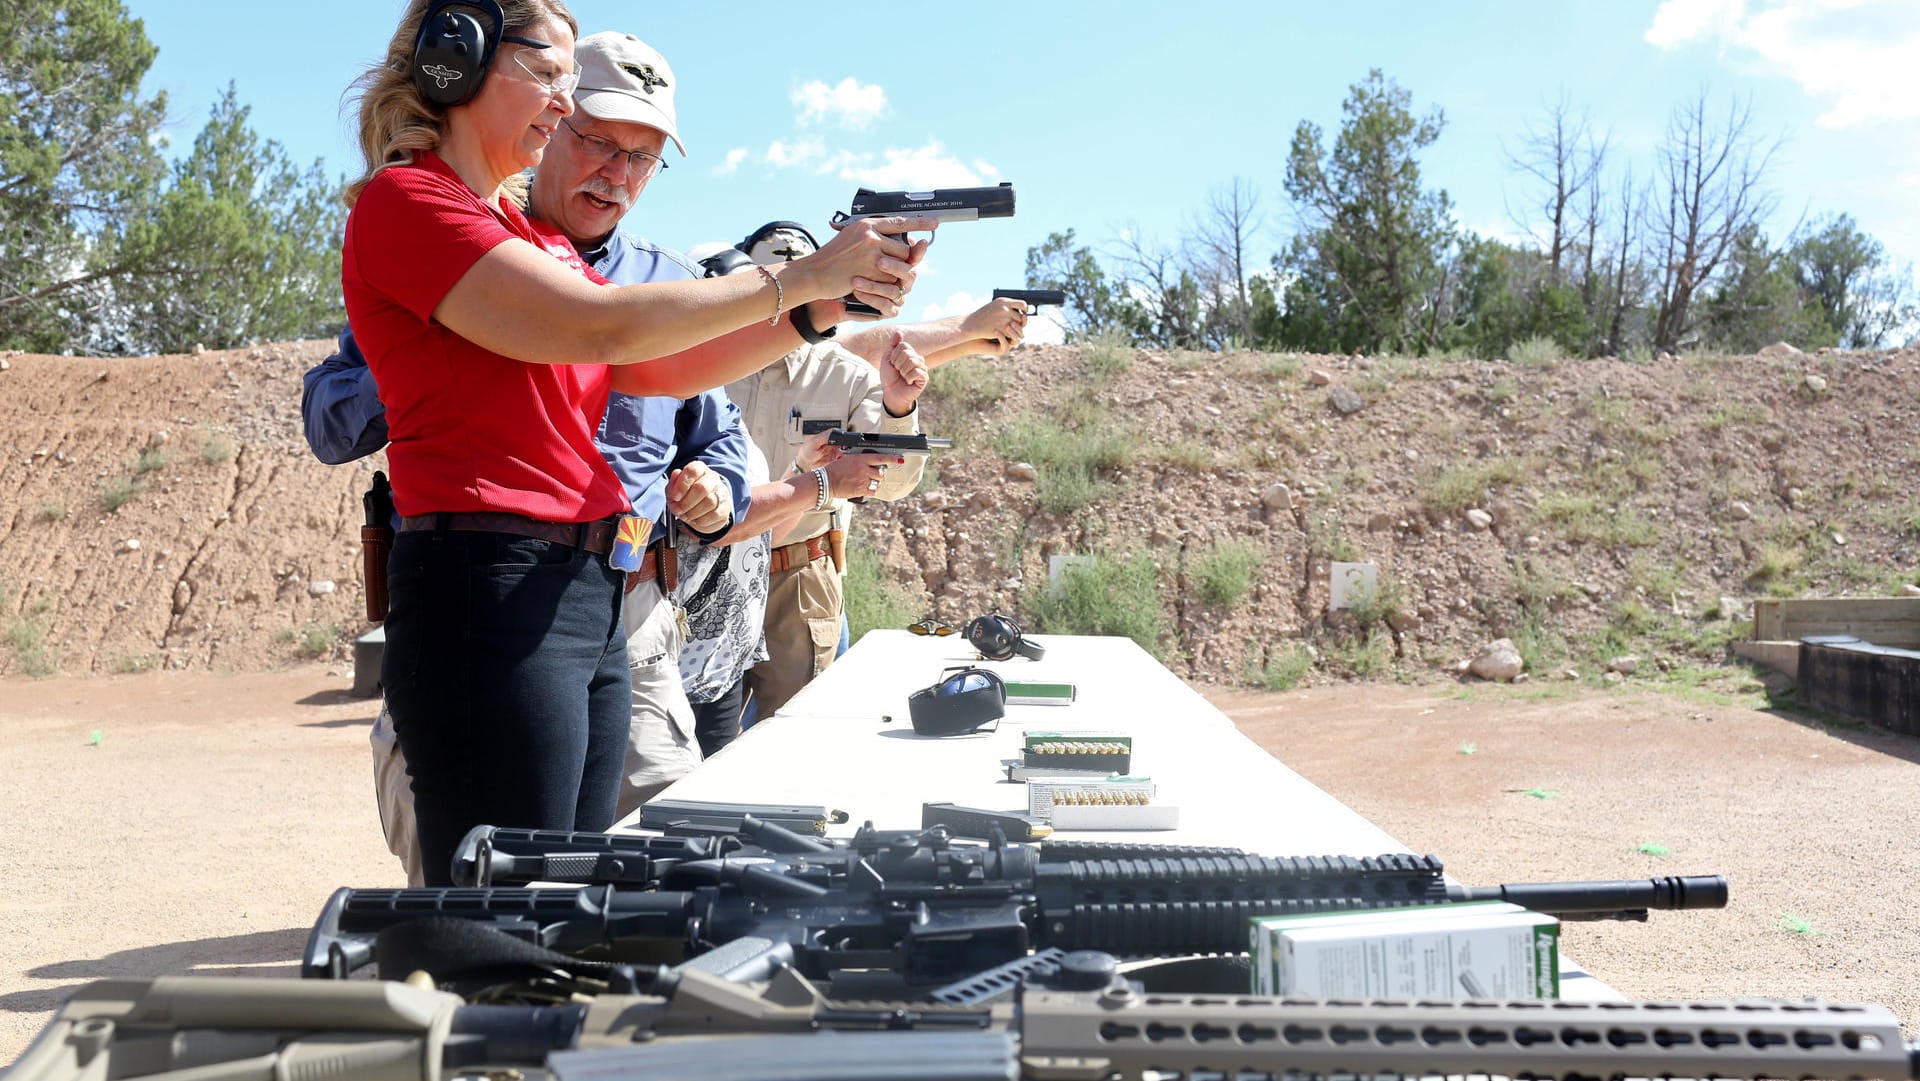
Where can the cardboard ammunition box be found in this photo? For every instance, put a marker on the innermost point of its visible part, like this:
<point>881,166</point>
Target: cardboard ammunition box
<point>1110,751</point>
<point>1114,803</point>
<point>1476,950</point>
<point>1035,693</point>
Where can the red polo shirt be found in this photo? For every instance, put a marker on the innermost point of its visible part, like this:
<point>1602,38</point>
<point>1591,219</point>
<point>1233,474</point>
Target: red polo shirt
<point>471,430</point>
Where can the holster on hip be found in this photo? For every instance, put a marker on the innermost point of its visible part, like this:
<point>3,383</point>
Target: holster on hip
<point>837,548</point>
<point>376,541</point>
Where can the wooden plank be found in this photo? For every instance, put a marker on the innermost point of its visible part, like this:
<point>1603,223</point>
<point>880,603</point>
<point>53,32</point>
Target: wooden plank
<point>1887,621</point>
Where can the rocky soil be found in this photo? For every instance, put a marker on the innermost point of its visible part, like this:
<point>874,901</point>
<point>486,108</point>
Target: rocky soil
<point>165,512</point>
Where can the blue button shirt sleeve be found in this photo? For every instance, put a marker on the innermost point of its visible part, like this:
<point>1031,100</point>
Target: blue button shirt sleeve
<point>340,407</point>
<point>716,436</point>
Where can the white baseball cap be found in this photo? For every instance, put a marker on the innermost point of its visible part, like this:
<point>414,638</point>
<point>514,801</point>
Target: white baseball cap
<point>624,79</point>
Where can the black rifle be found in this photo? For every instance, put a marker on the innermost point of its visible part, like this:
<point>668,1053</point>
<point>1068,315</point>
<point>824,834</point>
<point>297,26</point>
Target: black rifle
<point>914,906</point>
<point>941,204</point>
<point>1033,298</point>
<point>1079,1023</point>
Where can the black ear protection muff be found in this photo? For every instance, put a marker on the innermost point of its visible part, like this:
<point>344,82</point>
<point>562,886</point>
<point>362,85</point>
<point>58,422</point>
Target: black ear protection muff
<point>998,638</point>
<point>455,47</point>
<point>963,701</point>
<point>725,261</point>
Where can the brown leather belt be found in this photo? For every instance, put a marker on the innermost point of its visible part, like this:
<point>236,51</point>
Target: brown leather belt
<point>661,564</point>
<point>800,553</point>
<point>593,537</point>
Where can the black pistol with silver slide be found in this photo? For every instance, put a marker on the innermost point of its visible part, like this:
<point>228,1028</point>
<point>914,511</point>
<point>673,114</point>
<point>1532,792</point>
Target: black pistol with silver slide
<point>940,204</point>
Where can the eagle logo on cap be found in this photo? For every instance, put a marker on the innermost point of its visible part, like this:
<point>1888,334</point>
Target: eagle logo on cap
<point>440,75</point>
<point>645,73</point>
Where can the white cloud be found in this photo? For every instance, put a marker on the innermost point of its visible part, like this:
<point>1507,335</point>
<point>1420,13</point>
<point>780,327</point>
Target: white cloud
<point>955,304</point>
<point>1680,21</point>
<point>785,155</point>
<point>915,169</point>
<point>1854,54</point>
<point>848,103</point>
<point>731,163</point>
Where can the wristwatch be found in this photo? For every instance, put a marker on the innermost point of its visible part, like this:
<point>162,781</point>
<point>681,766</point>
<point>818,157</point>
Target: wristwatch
<point>804,324</point>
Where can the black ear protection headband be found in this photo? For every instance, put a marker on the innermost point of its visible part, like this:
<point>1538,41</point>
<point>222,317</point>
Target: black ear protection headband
<point>998,638</point>
<point>725,261</point>
<point>760,234</point>
<point>963,701</point>
<point>454,48</point>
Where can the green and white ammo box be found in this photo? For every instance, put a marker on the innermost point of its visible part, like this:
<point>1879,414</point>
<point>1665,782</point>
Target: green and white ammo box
<point>1471,950</point>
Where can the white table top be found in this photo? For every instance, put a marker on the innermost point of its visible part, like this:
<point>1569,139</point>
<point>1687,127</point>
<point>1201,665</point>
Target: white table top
<point>830,746</point>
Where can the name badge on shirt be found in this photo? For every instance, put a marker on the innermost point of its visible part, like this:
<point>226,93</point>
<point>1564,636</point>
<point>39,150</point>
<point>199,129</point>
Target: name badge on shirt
<point>630,536</point>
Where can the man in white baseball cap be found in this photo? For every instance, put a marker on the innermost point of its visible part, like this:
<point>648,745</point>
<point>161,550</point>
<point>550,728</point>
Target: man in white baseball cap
<point>602,156</point>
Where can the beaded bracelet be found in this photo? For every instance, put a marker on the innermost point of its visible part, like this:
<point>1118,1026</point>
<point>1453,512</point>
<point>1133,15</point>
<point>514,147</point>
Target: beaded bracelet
<point>779,294</point>
<point>820,478</point>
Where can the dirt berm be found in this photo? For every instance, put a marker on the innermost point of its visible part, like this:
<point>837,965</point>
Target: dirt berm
<point>165,512</point>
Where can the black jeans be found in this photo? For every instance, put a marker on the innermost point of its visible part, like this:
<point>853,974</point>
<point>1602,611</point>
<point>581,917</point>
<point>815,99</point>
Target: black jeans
<point>506,674</point>
<point>717,723</point>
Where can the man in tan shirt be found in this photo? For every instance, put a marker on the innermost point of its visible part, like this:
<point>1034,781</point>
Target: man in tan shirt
<point>818,387</point>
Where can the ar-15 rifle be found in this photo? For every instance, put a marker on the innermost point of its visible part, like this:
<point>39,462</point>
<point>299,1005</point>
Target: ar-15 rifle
<point>940,204</point>
<point>913,906</point>
<point>1082,1022</point>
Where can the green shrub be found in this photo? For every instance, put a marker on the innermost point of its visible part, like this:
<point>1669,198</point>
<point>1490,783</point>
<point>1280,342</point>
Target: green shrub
<point>117,492</point>
<point>1107,353</point>
<point>52,510</point>
<point>1282,671</point>
<point>26,639</point>
<point>218,447</point>
<point>1109,595</point>
<point>1452,489</point>
<point>1069,456</point>
<point>873,599</point>
<point>966,385</point>
<point>1537,351</point>
<point>312,639</point>
<point>151,460</point>
<point>1225,571</point>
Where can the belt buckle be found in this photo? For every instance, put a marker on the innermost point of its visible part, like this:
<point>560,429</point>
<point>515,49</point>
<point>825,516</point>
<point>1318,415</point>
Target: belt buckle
<point>629,547</point>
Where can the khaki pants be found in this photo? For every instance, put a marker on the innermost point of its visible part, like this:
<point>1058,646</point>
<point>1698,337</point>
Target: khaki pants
<point>661,747</point>
<point>803,630</point>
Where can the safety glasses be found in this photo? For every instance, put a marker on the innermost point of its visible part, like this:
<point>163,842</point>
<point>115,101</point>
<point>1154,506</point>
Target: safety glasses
<point>930,626</point>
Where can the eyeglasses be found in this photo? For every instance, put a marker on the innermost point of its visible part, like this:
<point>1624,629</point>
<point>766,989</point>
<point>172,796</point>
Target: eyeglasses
<point>558,86</point>
<point>930,626</point>
<point>606,152</point>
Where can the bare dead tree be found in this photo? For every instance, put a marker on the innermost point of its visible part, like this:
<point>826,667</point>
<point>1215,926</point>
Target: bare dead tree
<point>1565,157</point>
<point>1710,175</point>
<point>1219,241</point>
<point>1156,281</point>
<point>1632,205</point>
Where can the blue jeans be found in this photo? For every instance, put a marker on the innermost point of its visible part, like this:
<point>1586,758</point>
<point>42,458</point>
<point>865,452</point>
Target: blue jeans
<point>506,674</point>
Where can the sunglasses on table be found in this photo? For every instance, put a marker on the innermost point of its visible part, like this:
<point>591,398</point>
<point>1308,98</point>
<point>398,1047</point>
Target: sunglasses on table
<point>930,626</point>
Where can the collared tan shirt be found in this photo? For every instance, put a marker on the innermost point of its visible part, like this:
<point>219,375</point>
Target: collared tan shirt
<point>813,388</point>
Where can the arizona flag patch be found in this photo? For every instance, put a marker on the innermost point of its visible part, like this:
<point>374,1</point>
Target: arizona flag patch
<point>630,538</point>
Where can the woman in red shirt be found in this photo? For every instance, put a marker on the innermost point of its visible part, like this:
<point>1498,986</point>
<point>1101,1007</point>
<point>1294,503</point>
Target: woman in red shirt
<point>494,348</point>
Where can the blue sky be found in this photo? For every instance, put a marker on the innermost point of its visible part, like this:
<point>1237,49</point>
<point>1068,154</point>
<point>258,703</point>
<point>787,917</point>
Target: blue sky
<point>1120,116</point>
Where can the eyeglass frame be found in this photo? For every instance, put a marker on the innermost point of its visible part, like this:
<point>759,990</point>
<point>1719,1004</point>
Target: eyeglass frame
<point>609,157</point>
<point>931,627</point>
<point>571,80</point>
